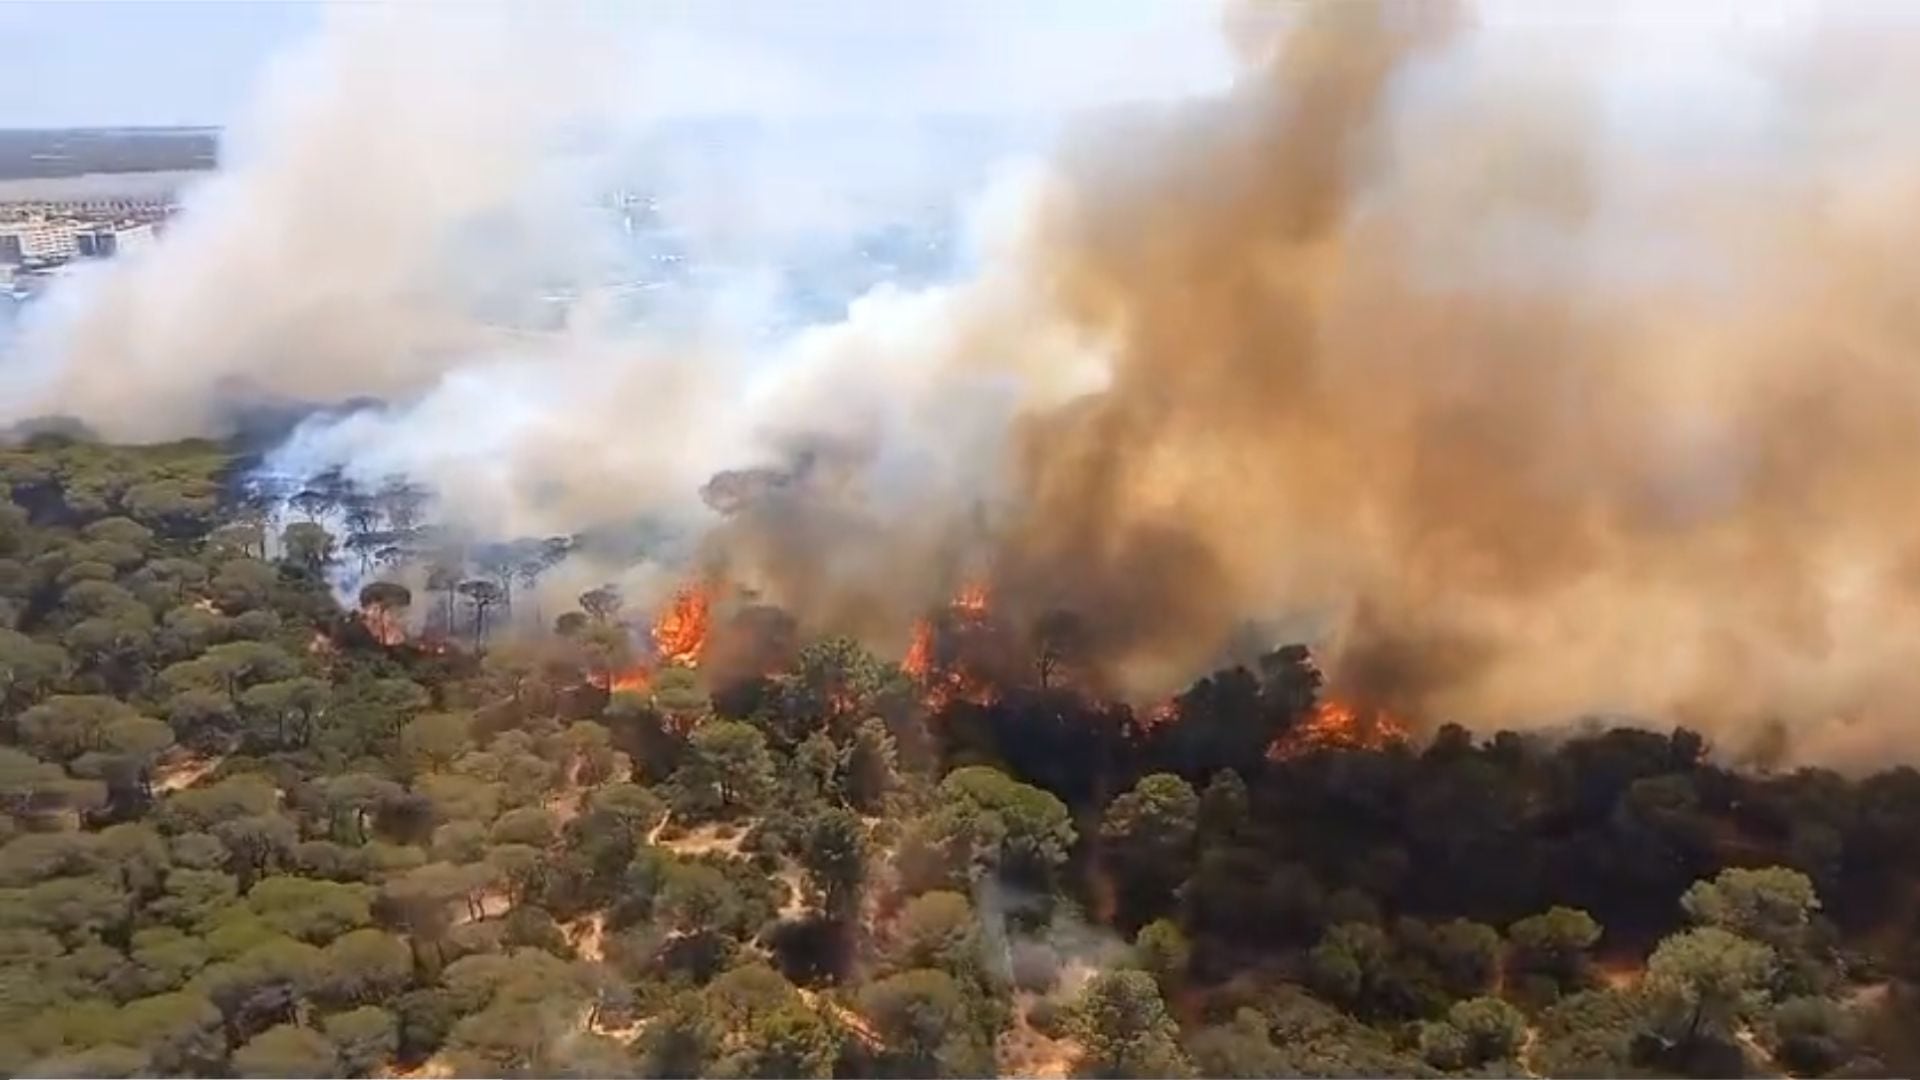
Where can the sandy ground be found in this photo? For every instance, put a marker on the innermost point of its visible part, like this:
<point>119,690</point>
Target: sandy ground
<point>434,1068</point>
<point>565,805</point>
<point>795,907</point>
<point>493,904</point>
<point>701,841</point>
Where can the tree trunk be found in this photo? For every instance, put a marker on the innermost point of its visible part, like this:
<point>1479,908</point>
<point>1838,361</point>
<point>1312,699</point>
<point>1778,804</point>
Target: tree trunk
<point>1693,1022</point>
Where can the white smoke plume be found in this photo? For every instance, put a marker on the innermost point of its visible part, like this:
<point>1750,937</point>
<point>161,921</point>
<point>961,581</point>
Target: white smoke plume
<point>439,213</point>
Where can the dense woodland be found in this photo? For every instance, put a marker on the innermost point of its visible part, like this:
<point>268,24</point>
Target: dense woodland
<point>253,832</point>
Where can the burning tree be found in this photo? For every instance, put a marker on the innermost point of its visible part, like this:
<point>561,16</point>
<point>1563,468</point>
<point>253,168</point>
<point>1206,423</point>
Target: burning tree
<point>1339,724</point>
<point>961,653</point>
<point>680,633</point>
<point>383,607</point>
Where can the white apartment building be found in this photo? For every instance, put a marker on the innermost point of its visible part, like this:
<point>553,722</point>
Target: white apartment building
<point>100,241</point>
<point>43,242</point>
<point>38,242</point>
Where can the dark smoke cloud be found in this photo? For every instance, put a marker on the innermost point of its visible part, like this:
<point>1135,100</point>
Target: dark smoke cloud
<point>1535,421</point>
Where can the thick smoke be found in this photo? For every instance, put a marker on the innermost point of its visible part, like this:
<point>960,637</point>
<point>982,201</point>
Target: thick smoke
<point>1543,417</point>
<point>327,261</point>
<point>1530,388</point>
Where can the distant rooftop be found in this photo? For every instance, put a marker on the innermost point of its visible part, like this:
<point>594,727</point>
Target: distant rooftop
<point>68,152</point>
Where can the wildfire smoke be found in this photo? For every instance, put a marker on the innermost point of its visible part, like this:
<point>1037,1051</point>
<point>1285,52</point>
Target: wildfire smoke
<point>1416,342</point>
<point>1400,343</point>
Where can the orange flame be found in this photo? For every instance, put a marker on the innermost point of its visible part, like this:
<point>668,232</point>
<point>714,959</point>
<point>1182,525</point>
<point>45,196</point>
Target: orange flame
<point>919,658</point>
<point>679,637</point>
<point>946,685</point>
<point>633,679</point>
<point>1167,712</point>
<point>384,625</point>
<point>971,600</point>
<point>1336,724</point>
<point>680,633</point>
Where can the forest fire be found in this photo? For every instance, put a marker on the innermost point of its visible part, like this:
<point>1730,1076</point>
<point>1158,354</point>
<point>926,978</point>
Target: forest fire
<point>937,657</point>
<point>919,659</point>
<point>680,633</point>
<point>1338,724</point>
<point>1167,712</point>
<point>680,636</point>
<point>971,600</point>
<point>384,624</point>
<point>632,680</point>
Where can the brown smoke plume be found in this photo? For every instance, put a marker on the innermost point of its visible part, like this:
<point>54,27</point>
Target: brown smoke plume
<point>1515,494</point>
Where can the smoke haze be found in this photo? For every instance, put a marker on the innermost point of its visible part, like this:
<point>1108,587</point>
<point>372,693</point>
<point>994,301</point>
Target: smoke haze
<point>1533,383</point>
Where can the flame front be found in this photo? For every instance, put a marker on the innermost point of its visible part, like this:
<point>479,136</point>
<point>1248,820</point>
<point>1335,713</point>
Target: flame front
<point>681,631</point>
<point>919,659</point>
<point>632,680</point>
<point>972,600</point>
<point>947,682</point>
<point>679,637</point>
<point>384,625</point>
<point>1167,712</point>
<point>1337,724</point>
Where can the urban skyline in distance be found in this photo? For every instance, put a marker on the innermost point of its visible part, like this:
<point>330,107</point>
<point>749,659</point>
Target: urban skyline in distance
<point>81,193</point>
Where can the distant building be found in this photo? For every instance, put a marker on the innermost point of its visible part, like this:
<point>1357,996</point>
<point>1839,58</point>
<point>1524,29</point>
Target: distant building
<point>102,241</point>
<point>44,242</point>
<point>38,242</point>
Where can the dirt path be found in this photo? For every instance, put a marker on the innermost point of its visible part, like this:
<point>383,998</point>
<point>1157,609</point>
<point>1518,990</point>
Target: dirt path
<point>565,805</point>
<point>175,775</point>
<point>434,1068</point>
<point>795,907</point>
<point>492,904</point>
<point>848,1019</point>
<point>701,841</point>
<point>588,934</point>
<point>1524,1056</point>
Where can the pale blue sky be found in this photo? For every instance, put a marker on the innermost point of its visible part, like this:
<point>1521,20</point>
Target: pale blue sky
<point>87,62</point>
<point>79,62</point>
